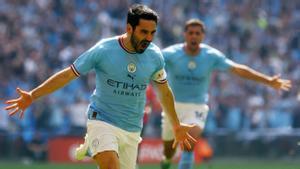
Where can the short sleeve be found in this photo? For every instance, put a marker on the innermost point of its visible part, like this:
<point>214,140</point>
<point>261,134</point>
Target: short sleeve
<point>160,75</point>
<point>222,62</point>
<point>87,61</point>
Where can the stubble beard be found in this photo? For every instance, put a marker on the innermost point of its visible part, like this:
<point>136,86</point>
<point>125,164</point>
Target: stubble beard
<point>135,43</point>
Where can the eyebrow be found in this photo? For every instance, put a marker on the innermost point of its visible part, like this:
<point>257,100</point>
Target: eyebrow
<point>145,30</point>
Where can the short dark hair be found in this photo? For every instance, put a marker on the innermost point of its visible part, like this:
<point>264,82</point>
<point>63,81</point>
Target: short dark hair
<point>137,12</point>
<point>194,22</point>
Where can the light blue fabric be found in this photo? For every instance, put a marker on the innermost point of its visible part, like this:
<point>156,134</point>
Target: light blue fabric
<point>119,96</point>
<point>186,160</point>
<point>189,76</point>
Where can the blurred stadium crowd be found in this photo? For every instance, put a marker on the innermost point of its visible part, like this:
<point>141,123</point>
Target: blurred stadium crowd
<point>40,37</point>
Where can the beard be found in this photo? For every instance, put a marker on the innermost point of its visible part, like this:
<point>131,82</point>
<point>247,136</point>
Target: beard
<point>139,45</point>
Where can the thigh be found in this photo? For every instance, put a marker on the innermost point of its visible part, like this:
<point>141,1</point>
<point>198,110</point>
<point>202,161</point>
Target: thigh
<point>128,150</point>
<point>101,137</point>
<point>192,113</point>
<point>167,130</point>
<point>128,156</point>
<point>107,160</point>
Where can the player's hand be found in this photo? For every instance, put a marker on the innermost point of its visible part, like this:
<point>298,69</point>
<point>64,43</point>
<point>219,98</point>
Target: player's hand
<point>20,104</point>
<point>280,84</point>
<point>182,137</point>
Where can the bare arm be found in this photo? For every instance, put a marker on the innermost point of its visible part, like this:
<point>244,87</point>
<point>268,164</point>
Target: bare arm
<point>52,84</point>
<point>166,99</point>
<point>272,81</point>
<point>181,130</point>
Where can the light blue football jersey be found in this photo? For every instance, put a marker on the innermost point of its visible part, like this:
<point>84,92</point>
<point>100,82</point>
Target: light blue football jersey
<point>121,80</point>
<point>189,76</point>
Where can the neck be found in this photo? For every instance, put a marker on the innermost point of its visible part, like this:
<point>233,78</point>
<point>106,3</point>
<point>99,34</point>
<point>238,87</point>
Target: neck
<point>191,51</point>
<point>125,38</point>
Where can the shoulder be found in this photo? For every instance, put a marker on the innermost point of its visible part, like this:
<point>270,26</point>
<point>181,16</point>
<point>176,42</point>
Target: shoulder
<point>211,50</point>
<point>173,52</point>
<point>102,47</point>
<point>173,49</point>
<point>107,42</point>
<point>153,53</point>
<point>154,50</point>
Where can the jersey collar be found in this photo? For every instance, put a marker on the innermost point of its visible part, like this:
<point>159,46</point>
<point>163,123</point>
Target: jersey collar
<point>121,42</point>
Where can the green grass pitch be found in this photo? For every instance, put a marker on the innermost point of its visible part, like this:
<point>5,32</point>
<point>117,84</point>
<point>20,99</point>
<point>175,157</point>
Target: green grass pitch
<point>215,164</point>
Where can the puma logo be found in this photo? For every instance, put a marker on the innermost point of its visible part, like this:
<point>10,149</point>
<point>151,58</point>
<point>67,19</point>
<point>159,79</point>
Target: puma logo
<point>131,76</point>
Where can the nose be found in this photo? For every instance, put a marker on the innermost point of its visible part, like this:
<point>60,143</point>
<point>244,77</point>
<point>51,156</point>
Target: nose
<point>149,37</point>
<point>193,35</point>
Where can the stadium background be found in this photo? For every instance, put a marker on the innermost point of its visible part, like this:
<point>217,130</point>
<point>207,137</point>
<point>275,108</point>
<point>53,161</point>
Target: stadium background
<point>246,120</point>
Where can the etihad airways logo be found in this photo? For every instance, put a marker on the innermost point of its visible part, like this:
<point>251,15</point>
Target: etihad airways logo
<point>125,85</point>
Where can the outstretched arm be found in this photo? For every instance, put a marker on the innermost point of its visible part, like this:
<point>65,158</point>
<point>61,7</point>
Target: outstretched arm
<point>273,81</point>
<point>52,84</point>
<point>166,99</point>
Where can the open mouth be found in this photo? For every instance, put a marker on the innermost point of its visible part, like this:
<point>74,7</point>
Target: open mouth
<point>145,44</point>
<point>194,43</point>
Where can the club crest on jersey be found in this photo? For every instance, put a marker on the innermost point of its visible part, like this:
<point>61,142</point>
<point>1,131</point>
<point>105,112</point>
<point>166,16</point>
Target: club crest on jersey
<point>131,67</point>
<point>95,143</point>
<point>192,65</point>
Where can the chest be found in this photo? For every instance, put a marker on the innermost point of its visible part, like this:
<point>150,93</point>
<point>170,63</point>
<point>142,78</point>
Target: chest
<point>197,66</point>
<point>127,67</point>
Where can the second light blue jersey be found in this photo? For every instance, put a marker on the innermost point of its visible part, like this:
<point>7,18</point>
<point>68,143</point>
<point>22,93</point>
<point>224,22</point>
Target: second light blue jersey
<point>121,80</point>
<point>189,76</point>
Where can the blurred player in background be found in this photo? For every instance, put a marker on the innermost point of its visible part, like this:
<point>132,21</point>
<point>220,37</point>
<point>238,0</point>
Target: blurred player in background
<point>124,66</point>
<point>189,66</point>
